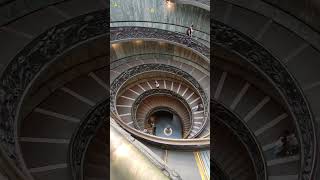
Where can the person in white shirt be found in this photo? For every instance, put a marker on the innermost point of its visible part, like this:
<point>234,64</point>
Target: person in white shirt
<point>157,84</point>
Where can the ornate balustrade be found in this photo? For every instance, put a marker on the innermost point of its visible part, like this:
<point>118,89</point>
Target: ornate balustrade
<point>165,92</point>
<point>117,63</point>
<point>49,46</point>
<point>34,58</point>
<point>131,33</point>
<point>279,77</point>
<point>220,113</point>
<point>184,144</point>
<point>127,75</point>
<point>84,134</point>
<point>99,117</point>
<point>197,34</point>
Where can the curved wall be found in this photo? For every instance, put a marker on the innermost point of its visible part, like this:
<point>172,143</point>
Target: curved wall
<point>157,14</point>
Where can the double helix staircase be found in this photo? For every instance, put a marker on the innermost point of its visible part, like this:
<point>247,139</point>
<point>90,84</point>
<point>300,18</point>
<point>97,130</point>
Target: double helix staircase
<point>46,125</point>
<point>194,120</point>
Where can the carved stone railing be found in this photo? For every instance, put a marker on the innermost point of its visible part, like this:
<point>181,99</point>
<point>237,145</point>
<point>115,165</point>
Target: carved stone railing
<point>220,113</point>
<point>128,74</point>
<point>279,76</point>
<point>83,135</point>
<point>155,92</point>
<point>130,33</point>
<point>34,58</point>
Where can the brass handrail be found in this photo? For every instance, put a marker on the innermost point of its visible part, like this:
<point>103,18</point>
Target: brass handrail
<point>182,143</point>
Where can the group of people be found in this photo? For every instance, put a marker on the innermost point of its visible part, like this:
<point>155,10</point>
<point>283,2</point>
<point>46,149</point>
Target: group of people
<point>199,107</point>
<point>150,126</point>
<point>287,145</point>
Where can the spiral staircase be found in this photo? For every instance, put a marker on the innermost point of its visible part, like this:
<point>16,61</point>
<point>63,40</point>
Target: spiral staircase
<point>55,125</point>
<point>150,50</point>
<point>63,84</point>
<point>279,46</point>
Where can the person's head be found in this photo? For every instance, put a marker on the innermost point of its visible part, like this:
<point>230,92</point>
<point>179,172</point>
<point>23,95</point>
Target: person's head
<point>192,25</point>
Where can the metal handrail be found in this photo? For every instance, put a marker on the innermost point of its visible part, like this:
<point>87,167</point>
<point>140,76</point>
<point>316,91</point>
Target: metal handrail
<point>122,139</point>
<point>162,54</point>
<point>186,143</point>
<point>116,86</point>
<point>171,24</point>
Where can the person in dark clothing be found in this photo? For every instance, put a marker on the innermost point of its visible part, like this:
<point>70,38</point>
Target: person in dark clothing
<point>190,31</point>
<point>284,147</point>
